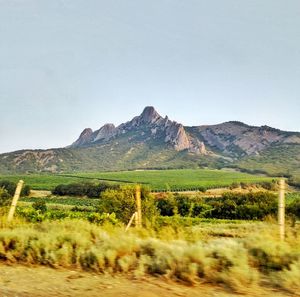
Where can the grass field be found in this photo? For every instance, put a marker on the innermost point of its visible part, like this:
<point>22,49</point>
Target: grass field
<point>250,257</point>
<point>41,181</point>
<point>176,180</point>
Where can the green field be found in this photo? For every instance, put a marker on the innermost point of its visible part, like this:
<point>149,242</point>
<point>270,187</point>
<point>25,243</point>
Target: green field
<point>41,181</point>
<point>158,180</point>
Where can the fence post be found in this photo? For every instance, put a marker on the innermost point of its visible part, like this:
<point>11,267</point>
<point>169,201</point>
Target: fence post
<point>138,205</point>
<point>281,209</point>
<point>130,222</point>
<point>15,201</point>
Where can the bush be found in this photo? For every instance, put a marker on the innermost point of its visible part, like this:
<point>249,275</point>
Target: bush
<point>270,186</point>
<point>122,202</point>
<point>25,191</point>
<point>293,181</point>
<point>40,205</point>
<point>249,206</point>
<point>184,205</point>
<point>166,204</point>
<point>100,219</point>
<point>293,209</point>
<point>82,189</point>
<point>234,185</point>
<point>5,198</point>
<point>10,187</point>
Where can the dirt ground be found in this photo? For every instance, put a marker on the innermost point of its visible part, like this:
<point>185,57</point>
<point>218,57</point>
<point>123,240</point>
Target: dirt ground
<point>20,281</point>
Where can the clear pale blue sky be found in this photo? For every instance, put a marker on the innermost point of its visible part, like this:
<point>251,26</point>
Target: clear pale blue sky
<point>70,64</point>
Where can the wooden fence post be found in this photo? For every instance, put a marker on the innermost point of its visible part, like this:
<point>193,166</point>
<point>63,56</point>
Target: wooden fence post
<point>15,201</point>
<point>281,209</point>
<point>138,205</point>
<point>131,220</point>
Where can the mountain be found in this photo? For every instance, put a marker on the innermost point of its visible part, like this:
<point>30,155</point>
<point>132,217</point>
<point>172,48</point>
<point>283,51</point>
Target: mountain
<point>151,141</point>
<point>147,127</point>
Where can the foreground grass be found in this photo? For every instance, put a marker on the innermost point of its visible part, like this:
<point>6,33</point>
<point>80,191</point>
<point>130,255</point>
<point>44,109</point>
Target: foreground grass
<point>175,180</point>
<point>184,253</point>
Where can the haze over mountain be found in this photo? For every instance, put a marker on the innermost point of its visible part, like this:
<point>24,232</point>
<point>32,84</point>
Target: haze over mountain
<point>151,141</point>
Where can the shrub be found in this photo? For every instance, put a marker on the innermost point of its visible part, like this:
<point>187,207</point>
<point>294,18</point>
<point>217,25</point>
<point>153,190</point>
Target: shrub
<point>25,191</point>
<point>5,198</point>
<point>293,181</point>
<point>249,206</point>
<point>294,209</point>
<point>270,186</point>
<point>166,204</point>
<point>82,189</point>
<point>10,187</point>
<point>122,202</point>
<point>102,218</point>
<point>184,205</point>
<point>234,185</point>
<point>40,205</point>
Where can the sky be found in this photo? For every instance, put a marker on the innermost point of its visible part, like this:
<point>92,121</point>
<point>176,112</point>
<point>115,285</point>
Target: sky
<point>70,64</point>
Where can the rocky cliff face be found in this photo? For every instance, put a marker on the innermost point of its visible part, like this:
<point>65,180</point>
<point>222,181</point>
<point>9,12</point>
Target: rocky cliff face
<point>147,126</point>
<point>239,139</point>
<point>85,137</point>
<point>104,133</point>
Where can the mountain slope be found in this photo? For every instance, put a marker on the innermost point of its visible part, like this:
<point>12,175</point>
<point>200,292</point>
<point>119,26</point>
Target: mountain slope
<point>151,141</point>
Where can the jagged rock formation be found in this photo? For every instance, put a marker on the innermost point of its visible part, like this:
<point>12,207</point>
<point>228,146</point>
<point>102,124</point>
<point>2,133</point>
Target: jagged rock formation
<point>85,137</point>
<point>149,121</point>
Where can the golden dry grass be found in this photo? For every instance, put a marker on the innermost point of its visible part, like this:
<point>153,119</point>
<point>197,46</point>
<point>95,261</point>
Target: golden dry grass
<point>183,254</point>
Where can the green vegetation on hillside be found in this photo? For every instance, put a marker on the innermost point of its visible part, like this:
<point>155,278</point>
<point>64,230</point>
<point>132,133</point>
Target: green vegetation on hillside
<point>281,160</point>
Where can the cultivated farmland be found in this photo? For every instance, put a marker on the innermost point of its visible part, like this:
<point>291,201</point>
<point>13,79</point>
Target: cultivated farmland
<point>158,180</point>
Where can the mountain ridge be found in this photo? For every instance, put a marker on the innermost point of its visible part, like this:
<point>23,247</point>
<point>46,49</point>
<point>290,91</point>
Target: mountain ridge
<point>152,141</point>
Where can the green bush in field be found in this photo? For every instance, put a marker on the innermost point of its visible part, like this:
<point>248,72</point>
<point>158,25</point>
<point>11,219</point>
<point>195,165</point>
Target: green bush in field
<point>37,215</point>
<point>40,205</point>
<point>184,206</point>
<point>5,198</point>
<point>166,204</point>
<point>269,185</point>
<point>293,209</point>
<point>82,189</point>
<point>250,206</point>
<point>10,187</point>
<point>102,218</point>
<point>122,202</point>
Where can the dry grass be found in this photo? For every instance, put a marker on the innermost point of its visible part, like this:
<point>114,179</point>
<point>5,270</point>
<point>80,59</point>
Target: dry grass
<point>186,255</point>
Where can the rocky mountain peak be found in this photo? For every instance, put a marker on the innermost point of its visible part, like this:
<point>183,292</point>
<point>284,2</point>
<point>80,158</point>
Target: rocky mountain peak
<point>85,137</point>
<point>170,132</point>
<point>150,115</point>
<point>105,132</point>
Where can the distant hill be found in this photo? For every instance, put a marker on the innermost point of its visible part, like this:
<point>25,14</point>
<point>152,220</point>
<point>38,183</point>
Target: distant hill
<point>151,141</point>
